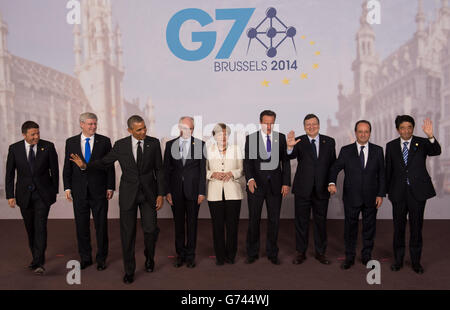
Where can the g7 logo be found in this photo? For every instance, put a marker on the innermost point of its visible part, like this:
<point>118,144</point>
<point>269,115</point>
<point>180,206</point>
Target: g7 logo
<point>207,38</point>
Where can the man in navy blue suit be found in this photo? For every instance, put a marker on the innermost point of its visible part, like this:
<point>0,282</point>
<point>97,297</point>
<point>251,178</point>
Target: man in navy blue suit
<point>364,189</point>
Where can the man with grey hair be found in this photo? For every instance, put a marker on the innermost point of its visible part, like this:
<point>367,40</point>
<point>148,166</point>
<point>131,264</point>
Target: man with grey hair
<point>185,176</point>
<point>89,190</point>
<point>141,186</point>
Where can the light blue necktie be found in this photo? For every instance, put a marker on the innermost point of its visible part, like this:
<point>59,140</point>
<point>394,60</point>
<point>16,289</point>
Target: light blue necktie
<point>87,150</point>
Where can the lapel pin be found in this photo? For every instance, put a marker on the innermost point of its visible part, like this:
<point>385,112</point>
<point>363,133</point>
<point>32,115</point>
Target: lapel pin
<point>417,144</point>
<point>276,140</point>
<point>42,149</point>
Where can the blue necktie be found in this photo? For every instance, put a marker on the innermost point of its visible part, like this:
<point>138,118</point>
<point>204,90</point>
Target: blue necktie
<point>361,156</point>
<point>269,145</point>
<point>405,157</point>
<point>87,150</point>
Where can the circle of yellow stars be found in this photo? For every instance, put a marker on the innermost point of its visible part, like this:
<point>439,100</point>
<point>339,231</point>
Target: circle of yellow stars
<point>303,75</point>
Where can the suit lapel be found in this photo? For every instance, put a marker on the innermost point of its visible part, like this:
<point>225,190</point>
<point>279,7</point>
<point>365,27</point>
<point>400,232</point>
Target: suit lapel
<point>412,149</point>
<point>24,155</point>
<point>145,152</point>
<point>95,150</point>
<point>130,150</point>
<point>39,152</point>
<point>356,153</point>
<point>370,156</point>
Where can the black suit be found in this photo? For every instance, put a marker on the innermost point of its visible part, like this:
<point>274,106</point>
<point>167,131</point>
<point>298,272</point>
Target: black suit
<point>139,187</point>
<point>185,183</point>
<point>361,187</point>
<point>310,188</point>
<point>88,190</point>
<point>270,174</point>
<point>409,198</point>
<point>35,190</point>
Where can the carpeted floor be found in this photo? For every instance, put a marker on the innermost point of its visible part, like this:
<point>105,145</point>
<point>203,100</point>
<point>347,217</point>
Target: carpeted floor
<point>261,275</point>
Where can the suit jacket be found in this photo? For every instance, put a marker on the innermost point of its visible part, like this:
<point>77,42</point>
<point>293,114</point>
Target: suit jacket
<point>150,177</point>
<point>97,180</point>
<point>232,161</point>
<point>258,165</point>
<point>361,186</point>
<point>313,172</point>
<point>189,180</point>
<point>416,170</point>
<point>44,179</point>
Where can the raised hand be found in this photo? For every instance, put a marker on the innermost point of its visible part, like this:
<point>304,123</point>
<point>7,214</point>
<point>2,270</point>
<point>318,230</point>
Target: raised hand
<point>291,142</point>
<point>78,161</point>
<point>428,127</point>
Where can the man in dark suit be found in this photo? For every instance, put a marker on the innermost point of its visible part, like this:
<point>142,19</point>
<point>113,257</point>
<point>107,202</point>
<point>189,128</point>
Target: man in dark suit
<point>409,185</point>
<point>268,173</point>
<point>36,163</point>
<point>364,189</point>
<point>141,186</point>
<point>185,176</point>
<point>315,154</point>
<point>90,189</point>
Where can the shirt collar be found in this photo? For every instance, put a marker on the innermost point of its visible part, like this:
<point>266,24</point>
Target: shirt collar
<point>316,138</point>
<point>409,141</point>
<point>183,139</point>
<point>28,145</point>
<point>265,135</point>
<point>359,145</point>
<point>83,137</point>
<point>134,140</point>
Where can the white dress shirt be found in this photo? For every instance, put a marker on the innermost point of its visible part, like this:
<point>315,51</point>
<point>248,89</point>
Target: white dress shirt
<point>83,144</point>
<point>365,151</point>
<point>27,148</point>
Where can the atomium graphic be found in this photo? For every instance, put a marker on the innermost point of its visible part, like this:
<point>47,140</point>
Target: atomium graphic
<point>271,33</point>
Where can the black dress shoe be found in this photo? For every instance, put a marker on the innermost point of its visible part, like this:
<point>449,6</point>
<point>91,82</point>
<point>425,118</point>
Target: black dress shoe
<point>190,264</point>
<point>365,260</point>
<point>299,259</point>
<point>101,266</point>
<point>347,264</point>
<point>229,261</point>
<point>85,264</point>
<point>396,267</point>
<point>418,268</point>
<point>179,262</point>
<point>149,265</point>
<point>251,259</point>
<point>322,259</point>
<point>128,278</point>
<point>32,266</point>
<point>274,260</point>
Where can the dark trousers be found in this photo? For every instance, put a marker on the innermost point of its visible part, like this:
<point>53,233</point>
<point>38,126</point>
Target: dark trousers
<point>35,218</point>
<point>369,221</point>
<point>255,204</point>
<point>303,207</point>
<point>415,209</point>
<point>185,215</point>
<point>128,230</point>
<point>82,208</point>
<point>225,217</point>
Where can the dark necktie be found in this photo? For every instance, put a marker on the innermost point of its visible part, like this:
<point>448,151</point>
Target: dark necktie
<point>405,157</point>
<point>361,156</point>
<point>183,151</point>
<point>31,158</point>
<point>139,155</point>
<point>313,144</point>
<point>269,145</point>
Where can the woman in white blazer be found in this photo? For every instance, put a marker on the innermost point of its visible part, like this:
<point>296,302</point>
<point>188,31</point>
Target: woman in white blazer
<point>224,170</point>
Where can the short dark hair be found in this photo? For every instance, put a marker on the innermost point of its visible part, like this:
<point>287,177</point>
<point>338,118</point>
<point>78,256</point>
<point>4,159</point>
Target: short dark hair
<point>363,121</point>
<point>267,113</point>
<point>309,116</point>
<point>29,125</point>
<point>134,119</point>
<point>404,118</point>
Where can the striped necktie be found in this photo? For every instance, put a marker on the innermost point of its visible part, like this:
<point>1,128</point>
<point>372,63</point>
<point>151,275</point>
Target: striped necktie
<point>405,152</point>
